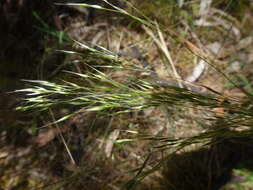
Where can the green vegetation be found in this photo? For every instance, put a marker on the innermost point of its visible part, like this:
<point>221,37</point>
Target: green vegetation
<point>143,113</point>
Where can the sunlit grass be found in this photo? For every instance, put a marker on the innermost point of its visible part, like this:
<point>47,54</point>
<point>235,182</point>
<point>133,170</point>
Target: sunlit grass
<point>99,92</point>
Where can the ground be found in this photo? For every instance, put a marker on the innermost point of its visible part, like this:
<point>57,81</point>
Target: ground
<point>37,157</point>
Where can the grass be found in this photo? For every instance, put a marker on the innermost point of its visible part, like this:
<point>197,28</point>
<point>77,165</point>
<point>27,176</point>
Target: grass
<point>62,37</point>
<point>102,94</point>
<point>230,118</point>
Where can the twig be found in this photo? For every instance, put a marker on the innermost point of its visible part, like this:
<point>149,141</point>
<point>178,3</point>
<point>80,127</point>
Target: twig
<point>62,138</point>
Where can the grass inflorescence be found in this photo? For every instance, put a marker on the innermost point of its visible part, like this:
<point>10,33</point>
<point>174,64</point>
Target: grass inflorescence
<point>99,92</point>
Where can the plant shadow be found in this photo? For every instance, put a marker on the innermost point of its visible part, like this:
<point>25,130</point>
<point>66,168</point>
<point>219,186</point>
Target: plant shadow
<point>209,168</point>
